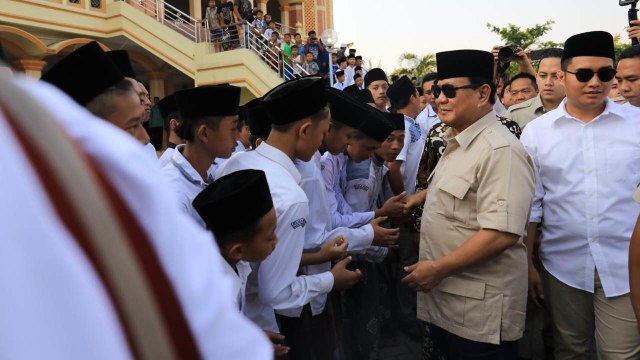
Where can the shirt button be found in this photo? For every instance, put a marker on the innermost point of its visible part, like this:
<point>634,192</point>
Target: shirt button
<point>500,202</point>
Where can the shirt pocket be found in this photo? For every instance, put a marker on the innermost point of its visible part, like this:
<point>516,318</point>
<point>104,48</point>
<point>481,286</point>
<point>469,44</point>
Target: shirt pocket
<point>456,295</point>
<point>451,198</point>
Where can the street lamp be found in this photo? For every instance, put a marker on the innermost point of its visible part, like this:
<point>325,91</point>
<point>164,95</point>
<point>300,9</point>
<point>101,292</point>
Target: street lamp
<point>329,38</point>
<point>412,64</point>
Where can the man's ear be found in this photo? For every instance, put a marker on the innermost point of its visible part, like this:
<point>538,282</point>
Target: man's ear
<point>173,124</point>
<point>304,128</point>
<point>485,93</point>
<point>202,133</point>
<point>234,252</point>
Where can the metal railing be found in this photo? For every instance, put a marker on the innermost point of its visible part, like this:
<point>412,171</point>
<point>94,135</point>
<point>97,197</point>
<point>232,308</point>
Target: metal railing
<point>285,29</point>
<point>172,17</point>
<point>244,35</point>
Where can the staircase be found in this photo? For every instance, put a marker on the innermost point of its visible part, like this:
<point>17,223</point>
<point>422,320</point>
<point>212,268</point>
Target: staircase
<point>166,32</point>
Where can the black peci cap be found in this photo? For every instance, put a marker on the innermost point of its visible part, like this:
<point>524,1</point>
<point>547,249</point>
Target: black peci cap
<point>295,100</point>
<point>215,100</point>
<point>234,201</point>
<point>464,63</point>
<point>84,74</point>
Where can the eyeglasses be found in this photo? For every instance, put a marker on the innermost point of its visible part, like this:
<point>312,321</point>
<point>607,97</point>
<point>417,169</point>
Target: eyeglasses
<point>449,90</point>
<point>585,75</point>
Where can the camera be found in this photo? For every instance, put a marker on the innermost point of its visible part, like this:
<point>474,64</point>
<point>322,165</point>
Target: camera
<point>632,14</point>
<point>507,53</point>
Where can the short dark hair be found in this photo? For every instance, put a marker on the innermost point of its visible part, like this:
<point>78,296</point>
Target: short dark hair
<point>318,116</point>
<point>552,53</point>
<point>504,88</point>
<point>401,102</point>
<point>630,52</point>
<point>244,235</point>
<point>342,59</point>
<point>267,14</point>
<point>432,76</point>
<point>312,32</point>
<point>270,22</point>
<point>394,78</point>
<point>483,81</point>
<point>523,75</point>
<point>275,33</point>
<point>186,128</point>
<point>259,11</point>
<point>287,34</point>
<point>103,105</point>
<point>296,34</point>
<point>294,46</point>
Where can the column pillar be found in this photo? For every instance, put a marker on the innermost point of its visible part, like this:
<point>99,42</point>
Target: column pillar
<point>262,5</point>
<point>284,14</point>
<point>31,67</point>
<point>156,84</point>
<point>195,9</point>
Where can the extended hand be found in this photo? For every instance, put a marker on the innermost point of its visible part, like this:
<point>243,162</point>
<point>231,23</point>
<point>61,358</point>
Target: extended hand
<point>335,249</point>
<point>423,276</point>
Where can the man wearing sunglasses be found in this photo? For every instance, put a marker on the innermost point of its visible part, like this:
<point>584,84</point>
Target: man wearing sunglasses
<point>587,162</point>
<point>472,273</point>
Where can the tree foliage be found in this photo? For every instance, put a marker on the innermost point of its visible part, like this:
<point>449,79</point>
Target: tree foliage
<point>521,37</point>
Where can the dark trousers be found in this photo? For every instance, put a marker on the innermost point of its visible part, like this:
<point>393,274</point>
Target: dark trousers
<point>453,347</point>
<point>310,337</point>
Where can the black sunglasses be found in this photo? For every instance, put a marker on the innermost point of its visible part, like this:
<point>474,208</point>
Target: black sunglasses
<point>585,75</point>
<point>449,90</point>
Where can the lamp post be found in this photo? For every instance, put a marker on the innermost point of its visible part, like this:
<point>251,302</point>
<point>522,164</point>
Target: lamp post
<point>329,38</point>
<point>412,64</point>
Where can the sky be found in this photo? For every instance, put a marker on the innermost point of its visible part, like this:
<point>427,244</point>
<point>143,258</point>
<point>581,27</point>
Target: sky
<point>381,30</point>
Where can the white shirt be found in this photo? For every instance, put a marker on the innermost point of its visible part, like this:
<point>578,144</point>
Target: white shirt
<point>185,182</point>
<point>274,284</point>
<point>239,274</point>
<point>585,173</point>
<point>151,151</point>
<point>411,153</point>
<point>427,119</point>
<point>75,321</point>
<point>319,230</point>
<point>499,108</point>
<point>339,85</point>
<point>363,184</point>
<point>349,71</point>
<point>166,156</point>
<point>334,176</point>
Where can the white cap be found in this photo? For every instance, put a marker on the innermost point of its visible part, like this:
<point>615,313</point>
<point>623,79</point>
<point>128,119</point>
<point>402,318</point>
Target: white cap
<point>343,45</point>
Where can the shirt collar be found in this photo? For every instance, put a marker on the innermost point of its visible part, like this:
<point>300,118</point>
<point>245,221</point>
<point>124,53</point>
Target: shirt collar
<point>537,104</point>
<point>469,134</point>
<point>430,111</point>
<point>610,108</point>
<point>276,155</point>
<point>185,168</point>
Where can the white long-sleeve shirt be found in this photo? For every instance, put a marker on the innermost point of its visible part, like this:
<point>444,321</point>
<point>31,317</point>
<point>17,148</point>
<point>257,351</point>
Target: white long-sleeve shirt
<point>76,320</point>
<point>186,183</point>
<point>274,284</point>
<point>334,176</point>
<point>427,119</point>
<point>319,230</point>
<point>411,154</point>
<point>585,175</point>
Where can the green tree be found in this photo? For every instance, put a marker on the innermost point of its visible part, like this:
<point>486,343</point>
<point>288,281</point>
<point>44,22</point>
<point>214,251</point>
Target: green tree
<point>619,46</point>
<point>427,64</point>
<point>521,37</point>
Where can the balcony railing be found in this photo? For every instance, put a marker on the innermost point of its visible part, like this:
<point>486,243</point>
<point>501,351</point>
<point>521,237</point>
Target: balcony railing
<point>172,17</point>
<point>244,35</point>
